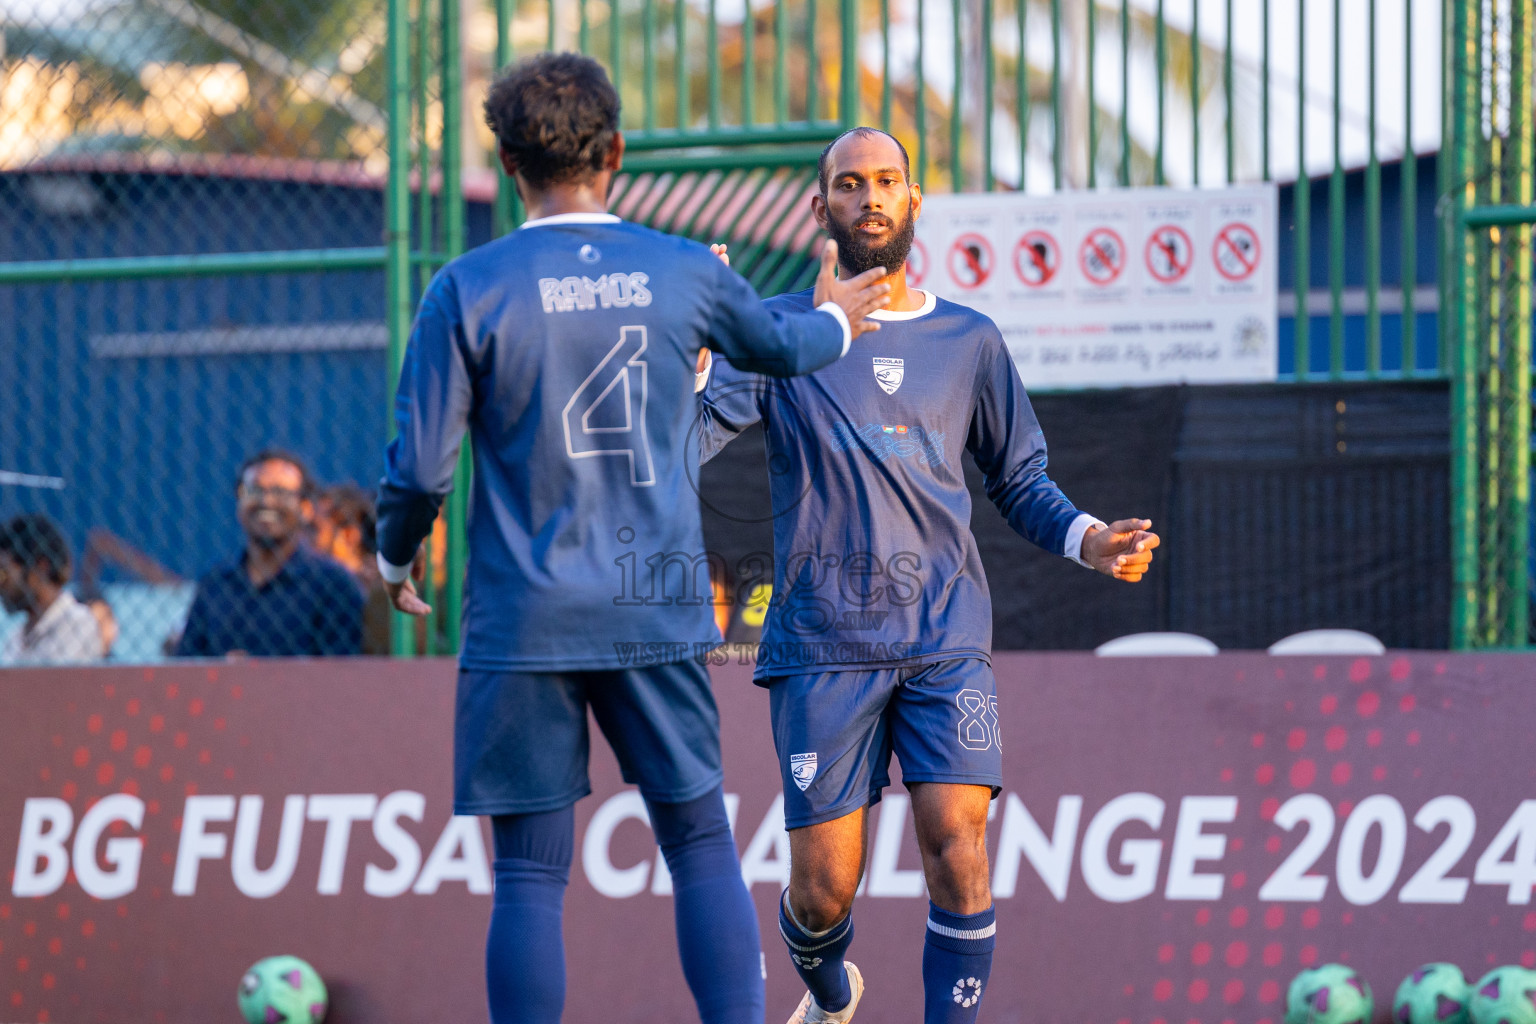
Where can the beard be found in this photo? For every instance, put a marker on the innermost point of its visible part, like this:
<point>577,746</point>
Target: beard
<point>858,253</point>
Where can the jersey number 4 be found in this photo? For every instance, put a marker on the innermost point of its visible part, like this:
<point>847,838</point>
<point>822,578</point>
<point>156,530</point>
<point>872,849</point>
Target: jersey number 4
<point>606,415</point>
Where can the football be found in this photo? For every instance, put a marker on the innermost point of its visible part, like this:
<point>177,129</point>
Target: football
<point>1505,995</point>
<point>1330,994</point>
<point>282,990</point>
<point>1433,994</point>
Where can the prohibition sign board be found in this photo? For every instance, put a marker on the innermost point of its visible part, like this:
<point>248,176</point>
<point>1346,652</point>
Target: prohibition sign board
<point>1236,251</point>
<point>1169,254</point>
<point>917,263</point>
<point>1036,259</point>
<point>970,261</point>
<point>1102,256</point>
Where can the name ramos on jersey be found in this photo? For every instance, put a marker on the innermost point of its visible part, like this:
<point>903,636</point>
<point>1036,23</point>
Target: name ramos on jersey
<point>573,294</point>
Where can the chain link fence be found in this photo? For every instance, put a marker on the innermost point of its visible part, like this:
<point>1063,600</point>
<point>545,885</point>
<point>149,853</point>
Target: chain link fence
<point>173,174</point>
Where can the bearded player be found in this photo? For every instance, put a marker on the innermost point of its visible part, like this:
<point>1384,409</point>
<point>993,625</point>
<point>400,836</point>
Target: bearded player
<point>566,350</point>
<point>879,634</point>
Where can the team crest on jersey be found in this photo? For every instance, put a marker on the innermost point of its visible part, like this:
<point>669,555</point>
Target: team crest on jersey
<point>589,253</point>
<point>803,768</point>
<point>888,374</point>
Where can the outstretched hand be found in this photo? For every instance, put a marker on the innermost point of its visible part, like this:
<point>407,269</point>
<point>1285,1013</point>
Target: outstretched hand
<point>1123,550</point>
<point>403,594</point>
<point>721,250</point>
<point>858,296</point>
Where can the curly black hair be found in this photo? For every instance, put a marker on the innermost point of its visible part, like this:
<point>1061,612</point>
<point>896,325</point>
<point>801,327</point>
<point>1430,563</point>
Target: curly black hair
<point>555,115</point>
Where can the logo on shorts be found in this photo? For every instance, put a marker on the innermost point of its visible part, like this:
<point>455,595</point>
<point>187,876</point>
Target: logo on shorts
<point>888,374</point>
<point>803,768</point>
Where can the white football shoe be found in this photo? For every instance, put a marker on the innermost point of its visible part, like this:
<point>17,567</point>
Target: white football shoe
<point>809,1013</point>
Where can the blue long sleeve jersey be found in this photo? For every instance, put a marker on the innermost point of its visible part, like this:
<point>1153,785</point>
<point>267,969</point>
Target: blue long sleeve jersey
<point>874,560</point>
<point>567,350</point>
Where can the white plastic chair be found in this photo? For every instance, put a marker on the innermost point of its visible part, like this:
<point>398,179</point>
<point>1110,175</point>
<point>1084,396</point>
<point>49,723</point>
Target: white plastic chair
<point>1328,641</point>
<point>1138,645</point>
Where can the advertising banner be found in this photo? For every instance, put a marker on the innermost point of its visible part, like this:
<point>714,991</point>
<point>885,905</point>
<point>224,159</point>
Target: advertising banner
<point>1102,289</point>
<point>1176,839</point>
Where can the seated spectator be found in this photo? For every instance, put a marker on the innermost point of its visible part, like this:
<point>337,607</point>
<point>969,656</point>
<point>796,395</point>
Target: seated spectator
<point>344,525</point>
<point>34,567</point>
<point>279,598</point>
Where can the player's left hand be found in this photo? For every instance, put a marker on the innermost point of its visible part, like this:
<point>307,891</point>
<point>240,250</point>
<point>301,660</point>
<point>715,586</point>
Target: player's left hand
<point>1123,551</point>
<point>403,594</point>
<point>719,249</point>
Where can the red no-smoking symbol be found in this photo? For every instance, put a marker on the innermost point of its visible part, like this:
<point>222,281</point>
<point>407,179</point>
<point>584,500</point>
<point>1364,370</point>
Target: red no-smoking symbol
<point>1236,251</point>
<point>1102,256</point>
<point>917,263</point>
<point>1036,258</point>
<point>970,261</point>
<point>1169,254</point>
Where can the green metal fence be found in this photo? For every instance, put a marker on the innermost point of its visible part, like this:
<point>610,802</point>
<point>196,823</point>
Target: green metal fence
<point>1487,213</point>
<point>1041,95</point>
<point>726,104</point>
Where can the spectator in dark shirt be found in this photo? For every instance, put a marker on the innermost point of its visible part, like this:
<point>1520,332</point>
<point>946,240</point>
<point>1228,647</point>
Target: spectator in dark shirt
<point>279,598</point>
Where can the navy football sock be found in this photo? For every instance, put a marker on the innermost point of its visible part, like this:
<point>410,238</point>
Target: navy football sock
<point>717,933</point>
<point>818,957</point>
<point>957,958</point>
<point>525,950</point>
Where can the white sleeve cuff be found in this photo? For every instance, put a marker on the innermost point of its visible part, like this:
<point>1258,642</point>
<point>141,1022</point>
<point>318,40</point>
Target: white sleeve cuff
<point>392,573</point>
<point>1072,547</point>
<point>701,379</point>
<point>842,321</point>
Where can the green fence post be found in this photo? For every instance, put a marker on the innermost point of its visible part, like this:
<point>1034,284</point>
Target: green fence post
<point>1264,94</point>
<point>397,240</point>
<point>988,83</point>
<point>920,103</point>
<point>885,66</point>
<point>848,101</point>
<point>1125,88</point>
<point>1226,91</point>
<point>1161,74</point>
<point>780,55</point>
<point>509,211</point>
<point>712,80</point>
<point>457,506</point>
<point>648,64</point>
<point>748,65</point>
<point>1056,132</point>
<point>1021,91</point>
<point>956,105</point>
<point>1194,93</point>
<point>1517,400</point>
<point>680,55</point>
<point>1461,279</point>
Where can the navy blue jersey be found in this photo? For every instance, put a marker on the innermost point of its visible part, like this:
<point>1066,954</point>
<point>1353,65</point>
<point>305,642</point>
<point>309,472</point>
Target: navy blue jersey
<point>567,350</point>
<point>874,561</point>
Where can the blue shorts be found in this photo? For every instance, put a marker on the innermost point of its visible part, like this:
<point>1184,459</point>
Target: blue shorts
<point>521,741</point>
<point>835,733</point>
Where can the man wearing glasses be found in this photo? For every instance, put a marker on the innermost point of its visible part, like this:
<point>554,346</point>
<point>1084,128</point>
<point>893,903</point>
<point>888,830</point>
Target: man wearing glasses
<point>279,598</point>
